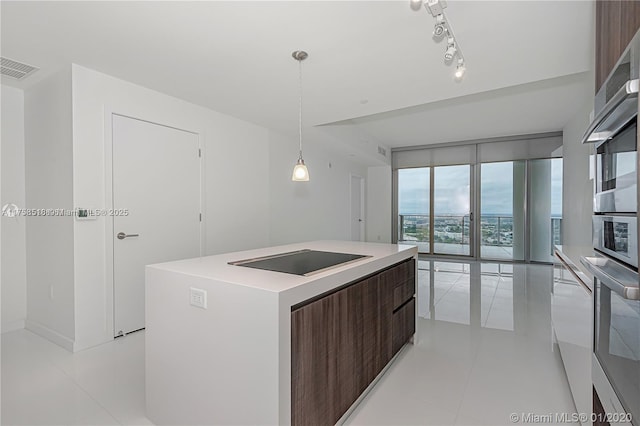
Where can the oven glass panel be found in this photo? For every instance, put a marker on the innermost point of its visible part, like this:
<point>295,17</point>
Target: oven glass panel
<point>618,160</point>
<point>616,236</point>
<point>617,345</point>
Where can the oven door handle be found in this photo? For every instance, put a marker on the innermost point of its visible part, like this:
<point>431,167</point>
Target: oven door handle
<point>628,90</point>
<point>629,292</point>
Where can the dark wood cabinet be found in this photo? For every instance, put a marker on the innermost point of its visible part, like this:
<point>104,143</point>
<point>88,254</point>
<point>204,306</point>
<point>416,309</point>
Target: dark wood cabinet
<point>342,341</point>
<point>369,330</point>
<point>404,324</point>
<point>629,21</point>
<point>403,292</point>
<point>617,21</point>
<point>318,361</point>
<point>401,282</point>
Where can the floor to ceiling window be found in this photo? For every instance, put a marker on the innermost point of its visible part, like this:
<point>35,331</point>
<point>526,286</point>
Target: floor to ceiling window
<point>413,207</point>
<point>514,184</point>
<point>502,221</point>
<point>452,210</point>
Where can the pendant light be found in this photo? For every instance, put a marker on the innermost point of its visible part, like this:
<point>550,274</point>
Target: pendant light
<point>300,172</point>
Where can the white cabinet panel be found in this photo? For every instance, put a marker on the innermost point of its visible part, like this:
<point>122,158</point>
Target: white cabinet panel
<point>572,314</point>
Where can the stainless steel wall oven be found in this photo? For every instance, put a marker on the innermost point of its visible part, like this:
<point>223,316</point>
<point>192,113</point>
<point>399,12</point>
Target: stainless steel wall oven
<point>616,358</point>
<point>616,177</point>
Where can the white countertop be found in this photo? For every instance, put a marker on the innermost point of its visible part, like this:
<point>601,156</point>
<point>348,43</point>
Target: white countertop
<point>216,267</point>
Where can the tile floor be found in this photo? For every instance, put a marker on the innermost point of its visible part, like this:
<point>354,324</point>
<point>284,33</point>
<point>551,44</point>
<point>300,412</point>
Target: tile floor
<point>484,350</point>
<point>44,384</point>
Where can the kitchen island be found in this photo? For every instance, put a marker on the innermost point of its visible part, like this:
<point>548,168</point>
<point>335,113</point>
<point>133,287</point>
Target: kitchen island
<point>263,339</point>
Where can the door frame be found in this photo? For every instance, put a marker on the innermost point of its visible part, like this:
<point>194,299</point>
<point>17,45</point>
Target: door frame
<point>109,112</point>
<point>362,205</point>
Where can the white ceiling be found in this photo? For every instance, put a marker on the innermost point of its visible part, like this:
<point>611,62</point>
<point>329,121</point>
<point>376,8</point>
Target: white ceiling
<point>528,62</point>
<point>537,107</point>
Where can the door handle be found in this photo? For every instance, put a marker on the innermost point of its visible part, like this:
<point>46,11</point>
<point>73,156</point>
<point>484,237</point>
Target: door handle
<point>122,235</point>
<point>615,283</point>
<point>621,115</point>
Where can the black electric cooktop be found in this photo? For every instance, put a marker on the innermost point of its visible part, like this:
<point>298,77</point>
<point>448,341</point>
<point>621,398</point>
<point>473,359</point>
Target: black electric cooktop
<point>301,262</point>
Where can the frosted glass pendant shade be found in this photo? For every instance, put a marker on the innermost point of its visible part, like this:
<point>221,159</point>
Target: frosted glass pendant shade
<point>300,172</point>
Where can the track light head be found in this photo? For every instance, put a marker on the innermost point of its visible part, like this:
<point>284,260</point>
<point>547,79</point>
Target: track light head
<point>450,53</point>
<point>440,29</point>
<point>460,69</point>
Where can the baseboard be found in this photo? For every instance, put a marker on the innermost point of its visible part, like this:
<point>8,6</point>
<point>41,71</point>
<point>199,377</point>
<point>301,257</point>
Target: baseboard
<point>82,344</point>
<point>50,335</point>
<point>8,326</point>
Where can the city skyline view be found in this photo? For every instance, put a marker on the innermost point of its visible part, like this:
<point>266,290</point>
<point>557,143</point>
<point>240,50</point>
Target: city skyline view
<point>451,196</point>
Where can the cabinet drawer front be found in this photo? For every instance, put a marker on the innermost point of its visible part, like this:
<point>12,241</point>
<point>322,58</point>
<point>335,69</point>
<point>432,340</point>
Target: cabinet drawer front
<point>404,324</point>
<point>400,273</point>
<point>403,292</point>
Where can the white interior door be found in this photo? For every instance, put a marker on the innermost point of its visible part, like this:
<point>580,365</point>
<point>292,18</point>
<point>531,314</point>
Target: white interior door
<point>357,208</point>
<point>156,178</point>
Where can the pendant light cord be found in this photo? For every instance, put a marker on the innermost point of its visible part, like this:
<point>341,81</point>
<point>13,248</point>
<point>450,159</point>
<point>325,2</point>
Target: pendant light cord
<point>300,105</point>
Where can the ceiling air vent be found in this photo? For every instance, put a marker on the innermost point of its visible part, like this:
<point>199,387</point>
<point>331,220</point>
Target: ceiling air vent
<point>15,69</point>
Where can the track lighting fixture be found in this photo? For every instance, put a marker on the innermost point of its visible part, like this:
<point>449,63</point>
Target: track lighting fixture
<point>443,28</point>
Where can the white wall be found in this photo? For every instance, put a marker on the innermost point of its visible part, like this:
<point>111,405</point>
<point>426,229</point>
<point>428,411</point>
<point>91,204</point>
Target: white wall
<point>13,252</point>
<point>577,187</point>
<point>48,184</point>
<point>577,193</point>
<point>243,210</point>
<point>379,201</point>
<point>236,157</point>
<point>314,210</point>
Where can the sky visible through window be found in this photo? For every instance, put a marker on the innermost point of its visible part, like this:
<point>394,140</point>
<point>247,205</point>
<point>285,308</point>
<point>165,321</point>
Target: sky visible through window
<point>452,189</point>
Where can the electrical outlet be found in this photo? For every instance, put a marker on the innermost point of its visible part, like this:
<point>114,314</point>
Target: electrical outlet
<point>198,297</point>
